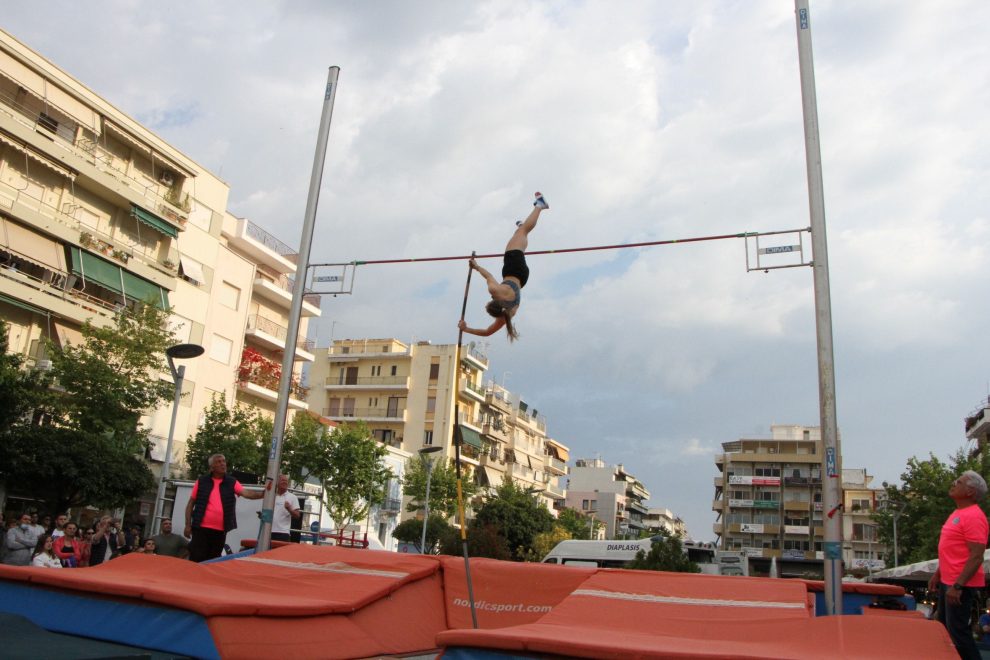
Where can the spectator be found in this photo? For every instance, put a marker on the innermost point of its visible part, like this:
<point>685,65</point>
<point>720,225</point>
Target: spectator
<point>132,541</point>
<point>286,508</point>
<point>169,544</point>
<point>21,541</point>
<point>959,575</point>
<point>46,522</point>
<point>43,556</point>
<point>107,541</point>
<point>211,511</point>
<point>147,547</point>
<point>39,529</point>
<point>86,546</point>
<point>984,623</point>
<point>60,521</point>
<point>68,547</point>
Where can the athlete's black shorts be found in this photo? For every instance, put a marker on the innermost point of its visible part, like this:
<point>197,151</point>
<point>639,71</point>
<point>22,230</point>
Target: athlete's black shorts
<point>514,265</point>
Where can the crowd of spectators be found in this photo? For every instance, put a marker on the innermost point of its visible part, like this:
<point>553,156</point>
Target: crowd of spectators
<point>26,540</point>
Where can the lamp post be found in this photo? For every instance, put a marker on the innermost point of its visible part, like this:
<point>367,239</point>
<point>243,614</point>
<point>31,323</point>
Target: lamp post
<point>425,453</point>
<point>177,352</point>
<point>591,523</point>
<point>894,516</point>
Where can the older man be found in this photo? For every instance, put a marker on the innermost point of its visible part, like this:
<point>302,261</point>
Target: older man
<point>960,561</point>
<point>286,508</point>
<point>211,511</point>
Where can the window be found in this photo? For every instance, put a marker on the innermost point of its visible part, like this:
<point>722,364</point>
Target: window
<point>434,371</point>
<point>395,370</point>
<point>229,295</point>
<point>431,404</point>
<point>428,437</point>
<point>862,505</point>
<point>191,271</point>
<point>220,348</point>
<point>376,370</point>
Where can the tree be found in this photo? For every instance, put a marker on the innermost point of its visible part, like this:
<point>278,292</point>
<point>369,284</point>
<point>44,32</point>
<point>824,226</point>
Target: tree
<point>923,504</point>
<point>579,525</point>
<point>411,531</point>
<point>483,541</point>
<point>666,554</point>
<point>20,389</point>
<point>233,432</point>
<point>544,542</point>
<point>348,464</point>
<point>443,486</point>
<point>515,514</point>
<point>82,443</point>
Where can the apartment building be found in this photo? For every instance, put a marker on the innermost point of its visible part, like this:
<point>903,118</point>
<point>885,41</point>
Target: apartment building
<point>611,493</point>
<point>861,551</point>
<point>412,395</point>
<point>768,502</point>
<point>660,519</point>
<point>97,213</point>
<point>977,426</point>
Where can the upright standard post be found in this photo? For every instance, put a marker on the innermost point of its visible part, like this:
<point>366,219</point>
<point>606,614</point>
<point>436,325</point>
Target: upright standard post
<point>832,458</point>
<point>295,311</point>
<point>457,453</point>
<point>426,505</point>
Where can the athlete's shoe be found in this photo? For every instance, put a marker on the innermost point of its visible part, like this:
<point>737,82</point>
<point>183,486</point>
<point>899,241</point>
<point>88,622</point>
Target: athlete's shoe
<point>540,202</point>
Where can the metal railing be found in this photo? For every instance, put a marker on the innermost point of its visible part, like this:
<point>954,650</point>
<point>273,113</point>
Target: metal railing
<point>270,242</point>
<point>269,327</point>
<point>366,380</point>
<point>365,413</point>
<point>59,290</point>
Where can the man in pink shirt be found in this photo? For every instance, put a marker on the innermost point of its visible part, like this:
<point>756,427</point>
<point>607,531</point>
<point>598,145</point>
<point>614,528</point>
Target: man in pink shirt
<point>211,511</point>
<point>960,562</point>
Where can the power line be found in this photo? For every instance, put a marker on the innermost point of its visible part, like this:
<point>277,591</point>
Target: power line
<point>617,246</point>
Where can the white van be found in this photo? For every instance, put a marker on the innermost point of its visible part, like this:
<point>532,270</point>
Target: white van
<point>618,554</point>
<point>603,554</point>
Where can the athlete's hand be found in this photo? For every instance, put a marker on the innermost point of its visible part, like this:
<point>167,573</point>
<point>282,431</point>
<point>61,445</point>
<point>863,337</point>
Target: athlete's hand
<point>473,263</point>
<point>462,324</point>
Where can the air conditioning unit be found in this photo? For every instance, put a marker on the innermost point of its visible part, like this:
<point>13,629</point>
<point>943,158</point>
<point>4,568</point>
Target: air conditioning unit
<point>43,365</point>
<point>167,178</point>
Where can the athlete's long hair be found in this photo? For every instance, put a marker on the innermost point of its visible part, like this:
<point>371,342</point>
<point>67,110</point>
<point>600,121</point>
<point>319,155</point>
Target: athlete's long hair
<point>497,311</point>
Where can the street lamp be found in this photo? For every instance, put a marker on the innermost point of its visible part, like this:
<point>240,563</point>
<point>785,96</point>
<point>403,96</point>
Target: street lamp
<point>177,352</point>
<point>591,523</point>
<point>425,453</point>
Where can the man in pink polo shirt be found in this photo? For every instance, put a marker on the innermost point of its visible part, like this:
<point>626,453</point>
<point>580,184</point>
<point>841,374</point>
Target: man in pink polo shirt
<point>960,562</point>
<point>211,511</point>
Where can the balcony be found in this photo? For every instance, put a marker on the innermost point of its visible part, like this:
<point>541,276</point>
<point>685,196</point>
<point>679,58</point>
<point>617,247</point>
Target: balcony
<point>717,528</point>
<point>368,348</point>
<point>719,482</point>
<point>802,481</point>
<point>498,399</point>
<point>390,507</point>
<point>262,247</point>
<point>277,288</point>
<point>718,504</point>
<point>554,491</point>
<point>474,357</point>
<point>636,507</point>
<point>977,423</point>
<point>555,465</point>
<point>297,394</point>
<point>470,391</point>
<point>636,489</point>
<point>797,505</point>
<point>496,429</point>
<point>366,414</point>
<point>273,336</point>
<point>378,383</point>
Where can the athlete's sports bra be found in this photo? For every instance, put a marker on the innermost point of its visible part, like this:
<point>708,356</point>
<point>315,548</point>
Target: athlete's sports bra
<point>509,304</point>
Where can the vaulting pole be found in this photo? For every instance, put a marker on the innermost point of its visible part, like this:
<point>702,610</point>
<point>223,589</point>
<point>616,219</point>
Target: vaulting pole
<point>456,440</point>
<point>832,458</point>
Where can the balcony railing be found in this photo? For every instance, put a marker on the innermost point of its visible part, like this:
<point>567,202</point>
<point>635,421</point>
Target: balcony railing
<point>391,505</point>
<point>334,381</point>
<point>286,283</point>
<point>270,242</point>
<point>365,413</point>
<point>269,327</point>
<point>65,132</point>
<point>101,242</point>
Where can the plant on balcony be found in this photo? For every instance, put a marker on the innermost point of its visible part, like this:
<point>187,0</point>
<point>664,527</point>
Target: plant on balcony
<point>178,200</point>
<point>120,255</point>
<point>86,239</point>
<point>260,370</point>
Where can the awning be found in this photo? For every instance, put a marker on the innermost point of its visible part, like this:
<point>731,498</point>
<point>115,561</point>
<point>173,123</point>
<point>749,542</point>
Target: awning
<point>34,155</point>
<point>153,221</point>
<point>23,305</point>
<point>470,437</point>
<point>558,451</point>
<point>192,269</point>
<point>127,137</point>
<point>38,85</point>
<point>116,279</point>
<point>494,477</point>
<point>67,334</point>
<point>32,246</point>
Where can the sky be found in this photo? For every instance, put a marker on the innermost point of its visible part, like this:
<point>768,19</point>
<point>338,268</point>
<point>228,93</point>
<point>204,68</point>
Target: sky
<point>640,121</point>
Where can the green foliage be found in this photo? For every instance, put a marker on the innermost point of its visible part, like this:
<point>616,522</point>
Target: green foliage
<point>443,485</point>
<point>579,525</point>
<point>81,444</point>
<point>301,439</point>
<point>667,554</point>
<point>516,515</point>
<point>237,433</point>
<point>544,542</point>
<point>348,463</point>
<point>924,504</point>
<point>482,540</point>
<point>411,531</point>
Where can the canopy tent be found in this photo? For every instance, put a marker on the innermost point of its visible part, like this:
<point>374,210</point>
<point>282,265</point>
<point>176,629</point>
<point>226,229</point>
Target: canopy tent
<point>920,571</point>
